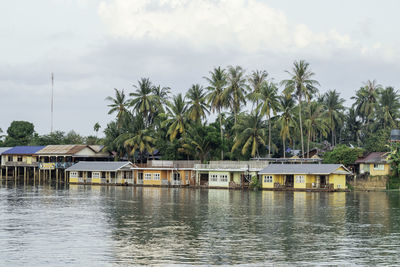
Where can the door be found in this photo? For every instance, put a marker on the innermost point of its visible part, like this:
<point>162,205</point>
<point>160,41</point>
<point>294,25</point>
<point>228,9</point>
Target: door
<point>289,181</point>
<point>322,181</point>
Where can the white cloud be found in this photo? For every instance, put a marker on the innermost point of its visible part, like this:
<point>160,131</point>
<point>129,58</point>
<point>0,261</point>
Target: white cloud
<point>246,25</point>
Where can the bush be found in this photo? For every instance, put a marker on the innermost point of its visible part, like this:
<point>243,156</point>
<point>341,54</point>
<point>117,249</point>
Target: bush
<point>343,154</point>
<point>255,183</point>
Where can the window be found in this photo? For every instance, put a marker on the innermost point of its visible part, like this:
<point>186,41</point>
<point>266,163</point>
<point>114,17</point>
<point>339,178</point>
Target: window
<point>223,178</point>
<point>300,179</point>
<point>19,158</point>
<point>379,167</point>
<point>214,178</point>
<point>96,175</point>
<point>267,179</point>
<point>112,174</point>
<point>103,174</point>
<point>10,158</point>
<point>89,175</point>
<point>73,174</point>
<point>156,176</point>
<point>147,176</point>
<point>177,176</point>
<point>186,175</point>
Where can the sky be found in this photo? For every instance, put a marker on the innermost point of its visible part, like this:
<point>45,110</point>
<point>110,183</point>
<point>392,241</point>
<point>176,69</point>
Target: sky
<point>94,46</point>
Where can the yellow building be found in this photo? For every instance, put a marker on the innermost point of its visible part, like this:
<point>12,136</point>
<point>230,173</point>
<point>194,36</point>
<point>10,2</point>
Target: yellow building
<point>165,172</point>
<point>97,172</point>
<point>304,176</point>
<point>375,164</point>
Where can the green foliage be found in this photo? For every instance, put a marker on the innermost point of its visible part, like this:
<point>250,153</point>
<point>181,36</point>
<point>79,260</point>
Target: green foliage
<point>255,183</point>
<point>20,133</point>
<point>377,141</point>
<point>343,154</point>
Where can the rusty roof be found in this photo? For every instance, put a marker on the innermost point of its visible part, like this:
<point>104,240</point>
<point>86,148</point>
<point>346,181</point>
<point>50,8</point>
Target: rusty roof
<point>60,149</point>
<point>374,157</point>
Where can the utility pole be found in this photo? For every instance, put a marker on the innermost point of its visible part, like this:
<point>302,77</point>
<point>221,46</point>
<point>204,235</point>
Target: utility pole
<point>52,95</point>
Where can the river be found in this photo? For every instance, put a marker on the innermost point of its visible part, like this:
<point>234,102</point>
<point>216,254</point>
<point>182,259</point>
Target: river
<point>118,226</point>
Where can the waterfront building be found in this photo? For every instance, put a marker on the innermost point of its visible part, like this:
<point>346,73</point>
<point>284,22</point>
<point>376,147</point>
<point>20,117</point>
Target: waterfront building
<point>20,159</point>
<point>101,172</point>
<point>375,163</point>
<point>228,174</point>
<point>165,172</point>
<point>304,176</point>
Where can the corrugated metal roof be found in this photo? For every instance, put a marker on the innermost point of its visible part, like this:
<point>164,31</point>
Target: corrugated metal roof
<point>4,149</point>
<point>99,165</point>
<point>374,157</point>
<point>56,149</point>
<point>96,148</point>
<point>23,150</point>
<point>302,169</point>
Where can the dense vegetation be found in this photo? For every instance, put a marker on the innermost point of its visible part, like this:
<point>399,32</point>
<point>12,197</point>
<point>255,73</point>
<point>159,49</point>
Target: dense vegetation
<point>237,115</point>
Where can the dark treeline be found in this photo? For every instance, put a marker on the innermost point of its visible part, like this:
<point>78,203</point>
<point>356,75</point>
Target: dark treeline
<point>254,117</point>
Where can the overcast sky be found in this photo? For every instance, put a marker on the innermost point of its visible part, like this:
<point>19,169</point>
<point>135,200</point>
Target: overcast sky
<point>93,46</point>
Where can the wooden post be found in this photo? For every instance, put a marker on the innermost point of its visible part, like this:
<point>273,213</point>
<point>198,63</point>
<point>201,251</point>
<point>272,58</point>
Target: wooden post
<point>1,173</point>
<point>39,176</point>
<point>24,175</point>
<point>65,176</point>
<point>15,174</point>
<point>6,173</point>
<point>56,175</point>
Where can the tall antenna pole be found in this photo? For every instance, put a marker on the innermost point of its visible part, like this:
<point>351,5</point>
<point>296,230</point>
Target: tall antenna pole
<point>52,95</point>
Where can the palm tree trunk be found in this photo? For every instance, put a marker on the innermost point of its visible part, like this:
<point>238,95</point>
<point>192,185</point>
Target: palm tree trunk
<point>269,135</point>
<point>284,148</point>
<point>301,127</point>
<point>222,135</point>
<point>308,143</point>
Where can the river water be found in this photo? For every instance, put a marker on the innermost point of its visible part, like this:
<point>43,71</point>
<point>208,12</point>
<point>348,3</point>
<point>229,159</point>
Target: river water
<point>119,226</point>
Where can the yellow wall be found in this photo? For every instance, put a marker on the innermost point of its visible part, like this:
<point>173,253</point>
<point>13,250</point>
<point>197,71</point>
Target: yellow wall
<point>338,181</point>
<point>73,180</point>
<point>163,174</point>
<point>373,172</point>
<point>275,179</point>
<point>96,180</point>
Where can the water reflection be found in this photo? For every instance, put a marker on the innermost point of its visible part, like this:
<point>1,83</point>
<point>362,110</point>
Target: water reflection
<point>99,225</point>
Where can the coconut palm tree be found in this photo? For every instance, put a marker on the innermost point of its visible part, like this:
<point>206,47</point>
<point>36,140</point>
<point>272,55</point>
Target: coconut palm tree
<point>256,82</point>
<point>315,121</point>
<point>302,85</point>
<point>269,103</point>
<point>196,143</point>
<point>141,141</point>
<point>143,101</point>
<point>235,92</point>
<point>286,120</point>
<point>197,107</point>
<point>250,134</point>
<point>96,128</point>
<point>216,86</point>
<point>119,104</point>
<point>388,108</point>
<point>335,110</point>
<point>177,117</point>
<point>161,96</point>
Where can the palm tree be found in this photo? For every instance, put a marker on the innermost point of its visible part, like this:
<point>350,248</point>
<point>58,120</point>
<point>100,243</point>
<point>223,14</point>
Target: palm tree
<point>178,120</point>
<point>217,83</point>
<point>196,143</point>
<point>286,120</point>
<point>335,109</point>
<point>256,82</point>
<point>161,96</point>
<point>366,98</point>
<point>119,104</point>
<point>96,128</point>
<point>389,105</point>
<point>302,85</point>
<point>141,141</point>
<point>143,101</point>
<point>235,91</point>
<point>197,107</point>
<point>353,127</point>
<point>316,121</point>
<point>269,102</point>
<point>250,135</point>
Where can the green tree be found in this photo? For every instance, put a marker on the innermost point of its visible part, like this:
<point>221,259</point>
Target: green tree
<point>335,109</point>
<point>286,120</point>
<point>256,81</point>
<point>119,104</point>
<point>377,141</point>
<point>269,103</point>
<point>388,107</point>
<point>197,107</point>
<point>315,121</point>
<point>96,128</point>
<point>216,100</point>
<point>250,134</point>
<point>20,133</point>
<point>142,141</point>
<point>343,154</point>
<point>143,101</point>
<point>302,85</point>
<point>177,117</point>
<point>235,92</point>
<point>161,97</point>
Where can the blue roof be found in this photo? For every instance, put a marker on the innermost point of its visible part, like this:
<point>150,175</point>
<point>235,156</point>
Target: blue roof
<point>4,149</point>
<point>28,150</point>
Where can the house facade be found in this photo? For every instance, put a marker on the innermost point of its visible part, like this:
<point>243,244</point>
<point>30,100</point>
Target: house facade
<point>375,163</point>
<point>304,176</point>
<point>97,172</point>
